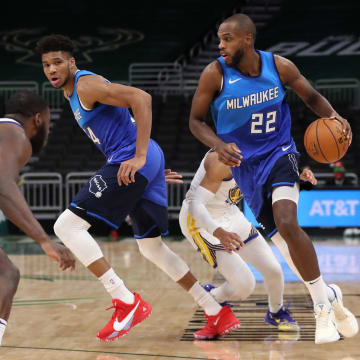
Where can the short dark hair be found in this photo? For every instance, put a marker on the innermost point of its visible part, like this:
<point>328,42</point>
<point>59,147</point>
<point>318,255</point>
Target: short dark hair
<point>26,103</point>
<point>243,23</point>
<point>54,42</point>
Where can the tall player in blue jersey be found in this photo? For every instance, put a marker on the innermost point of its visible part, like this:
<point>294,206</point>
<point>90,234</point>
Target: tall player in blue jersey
<point>132,182</point>
<point>245,89</point>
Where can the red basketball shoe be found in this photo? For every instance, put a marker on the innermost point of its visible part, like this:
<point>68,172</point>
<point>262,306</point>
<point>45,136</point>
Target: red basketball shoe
<point>124,318</point>
<point>217,325</point>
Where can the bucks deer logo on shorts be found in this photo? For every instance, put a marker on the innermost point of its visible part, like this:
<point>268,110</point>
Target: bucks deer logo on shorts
<point>235,195</point>
<point>97,185</point>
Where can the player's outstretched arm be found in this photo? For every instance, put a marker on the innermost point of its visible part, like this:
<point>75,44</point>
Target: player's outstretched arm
<point>209,85</point>
<point>291,76</point>
<point>95,89</point>
<point>15,151</point>
<point>216,171</point>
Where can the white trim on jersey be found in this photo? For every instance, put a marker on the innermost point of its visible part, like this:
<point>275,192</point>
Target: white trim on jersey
<point>12,121</point>
<point>82,105</point>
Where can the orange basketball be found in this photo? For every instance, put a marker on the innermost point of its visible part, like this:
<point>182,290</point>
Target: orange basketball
<point>325,141</point>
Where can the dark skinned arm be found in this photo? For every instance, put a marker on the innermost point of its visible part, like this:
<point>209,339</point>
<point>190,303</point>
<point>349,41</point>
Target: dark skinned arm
<point>209,85</point>
<point>15,151</point>
<point>94,88</point>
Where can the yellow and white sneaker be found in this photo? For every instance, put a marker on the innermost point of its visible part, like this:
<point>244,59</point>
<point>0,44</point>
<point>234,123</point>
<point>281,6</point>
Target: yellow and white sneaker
<point>345,319</point>
<point>326,330</point>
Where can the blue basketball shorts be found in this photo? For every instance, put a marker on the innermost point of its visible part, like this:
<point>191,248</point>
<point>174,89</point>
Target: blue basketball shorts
<point>285,172</point>
<point>103,199</point>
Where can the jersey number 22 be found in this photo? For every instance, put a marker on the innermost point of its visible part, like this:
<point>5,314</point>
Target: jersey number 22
<point>258,126</point>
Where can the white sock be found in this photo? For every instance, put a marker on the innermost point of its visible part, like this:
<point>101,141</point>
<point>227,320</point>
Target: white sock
<point>3,324</point>
<point>204,299</point>
<point>116,287</point>
<point>240,282</point>
<point>318,291</point>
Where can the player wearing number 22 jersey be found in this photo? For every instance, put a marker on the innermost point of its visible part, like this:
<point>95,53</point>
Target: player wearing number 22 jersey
<point>252,112</point>
<point>245,89</point>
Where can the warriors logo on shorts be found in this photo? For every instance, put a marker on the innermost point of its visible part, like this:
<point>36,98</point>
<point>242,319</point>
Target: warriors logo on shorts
<point>235,195</point>
<point>97,185</point>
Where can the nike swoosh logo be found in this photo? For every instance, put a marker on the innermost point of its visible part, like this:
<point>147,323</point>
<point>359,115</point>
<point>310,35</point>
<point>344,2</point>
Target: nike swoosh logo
<point>234,81</point>
<point>118,326</point>
<point>216,321</point>
<point>110,158</point>
<point>285,148</point>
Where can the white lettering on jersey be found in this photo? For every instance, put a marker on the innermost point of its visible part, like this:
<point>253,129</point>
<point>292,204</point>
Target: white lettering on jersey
<point>77,114</point>
<point>253,99</point>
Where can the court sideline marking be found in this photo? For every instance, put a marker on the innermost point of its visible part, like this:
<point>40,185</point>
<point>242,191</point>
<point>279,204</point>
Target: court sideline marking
<point>103,352</point>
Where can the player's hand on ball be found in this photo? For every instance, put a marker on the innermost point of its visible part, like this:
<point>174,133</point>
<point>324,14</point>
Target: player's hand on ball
<point>346,126</point>
<point>172,177</point>
<point>60,254</point>
<point>229,154</point>
<point>128,169</point>
<point>231,241</point>
<point>308,175</point>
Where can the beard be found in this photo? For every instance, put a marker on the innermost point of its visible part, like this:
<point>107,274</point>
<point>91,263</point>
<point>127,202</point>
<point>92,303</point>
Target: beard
<point>38,141</point>
<point>64,82</point>
<point>236,59</point>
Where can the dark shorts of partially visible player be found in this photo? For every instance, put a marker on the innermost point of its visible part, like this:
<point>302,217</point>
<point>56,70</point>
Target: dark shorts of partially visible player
<point>103,199</point>
<point>284,173</point>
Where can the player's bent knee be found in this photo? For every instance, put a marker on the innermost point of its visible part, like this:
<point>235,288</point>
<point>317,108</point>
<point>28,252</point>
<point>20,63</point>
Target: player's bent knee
<point>243,289</point>
<point>14,276</point>
<point>68,222</point>
<point>10,272</point>
<point>242,294</point>
<point>61,226</point>
<point>286,225</point>
<point>72,230</point>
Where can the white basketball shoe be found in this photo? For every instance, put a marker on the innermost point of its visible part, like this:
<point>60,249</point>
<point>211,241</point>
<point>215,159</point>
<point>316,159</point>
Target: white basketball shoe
<point>345,320</point>
<point>326,330</point>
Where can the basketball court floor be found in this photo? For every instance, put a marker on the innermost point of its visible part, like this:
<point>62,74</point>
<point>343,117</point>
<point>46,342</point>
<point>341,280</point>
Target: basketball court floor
<point>57,315</point>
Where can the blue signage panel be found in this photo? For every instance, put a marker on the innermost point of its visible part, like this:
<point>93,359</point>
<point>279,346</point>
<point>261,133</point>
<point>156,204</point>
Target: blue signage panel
<point>337,263</point>
<point>324,208</point>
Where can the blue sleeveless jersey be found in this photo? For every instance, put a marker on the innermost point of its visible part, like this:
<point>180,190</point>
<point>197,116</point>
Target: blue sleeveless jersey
<point>113,131</point>
<point>252,112</point>
<point>111,128</point>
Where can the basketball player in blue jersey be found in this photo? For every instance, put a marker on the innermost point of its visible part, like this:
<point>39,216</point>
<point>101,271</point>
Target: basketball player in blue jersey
<point>23,131</point>
<point>132,182</point>
<point>245,89</point>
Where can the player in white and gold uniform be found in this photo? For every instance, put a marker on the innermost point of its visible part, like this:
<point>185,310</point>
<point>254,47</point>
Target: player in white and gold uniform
<point>211,221</point>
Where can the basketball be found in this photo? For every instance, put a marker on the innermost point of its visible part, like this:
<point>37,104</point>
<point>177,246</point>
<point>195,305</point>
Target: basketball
<point>325,141</point>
